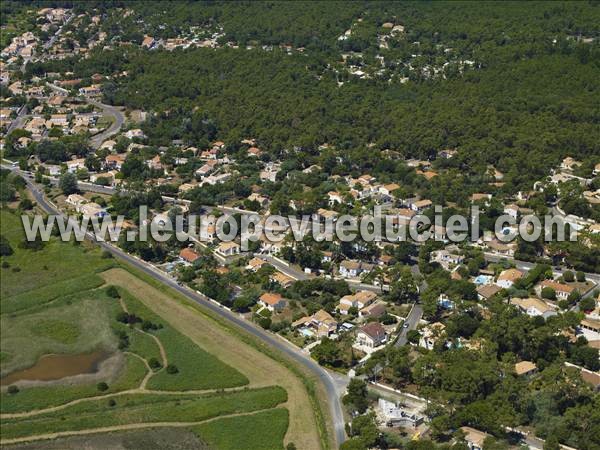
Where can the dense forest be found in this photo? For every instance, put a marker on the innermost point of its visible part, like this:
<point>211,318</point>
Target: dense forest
<point>528,103</point>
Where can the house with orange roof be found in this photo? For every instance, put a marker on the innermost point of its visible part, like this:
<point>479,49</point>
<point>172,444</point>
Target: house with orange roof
<point>272,301</point>
<point>188,255</point>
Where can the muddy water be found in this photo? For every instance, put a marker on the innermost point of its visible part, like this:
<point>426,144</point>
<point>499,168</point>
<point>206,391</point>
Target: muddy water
<point>55,367</point>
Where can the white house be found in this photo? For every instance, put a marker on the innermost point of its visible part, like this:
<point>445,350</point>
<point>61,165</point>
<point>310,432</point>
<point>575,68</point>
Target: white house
<point>135,133</point>
<point>350,269</point>
<point>370,336</point>
<point>508,277</point>
<point>272,301</point>
<point>534,307</point>
<point>357,300</point>
<point>228,248</point>
<point>75,164</point>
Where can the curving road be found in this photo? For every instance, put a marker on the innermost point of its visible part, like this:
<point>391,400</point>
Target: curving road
<point>271,339</point>
<point>115,126</point>
<point>107,110</point>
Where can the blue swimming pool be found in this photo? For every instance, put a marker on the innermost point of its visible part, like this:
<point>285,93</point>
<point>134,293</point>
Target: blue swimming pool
<point>482,279</point>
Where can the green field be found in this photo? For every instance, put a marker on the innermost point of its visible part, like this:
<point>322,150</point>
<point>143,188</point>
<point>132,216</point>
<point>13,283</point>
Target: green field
<point>197,369</point>
<point>56,303</point>
<point>145,409</point>
<point>264,429</point>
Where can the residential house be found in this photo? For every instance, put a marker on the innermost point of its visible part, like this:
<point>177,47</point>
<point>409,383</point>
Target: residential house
<point>534,307</point>
<point>282,279</point>
<point>321,322</point>
<point>474,438</point>
<point>135,133</point>
<point>254,151</point>
<point>374,310</point>
<point>108,144</point>
<point>439,233</point>
<point>501,248</point>
<point>358,300</point>
<point>184,187</point>
<point>272,301</point>
<point>92,209</point>
<point>58,120</point>
<point>114,161</point>
<point>562,290</point>
<point>52,169</point>
<point>591,378</point>
<point>334,197</point>
<point>420,205</point>
<point>350,269</point>
<point>487,291</point>
<point>395,415</point>
<point>388,189</point>
<point>385,260</point>
<point>428,174</point>
<point>508,277</point>
<point>106,177</point>
<point>188,255</point>
<point>525,368</point>
<point>405,214</point>
<point>208,230</point>
<point>268,175</point>
<point>591,326</point>
<point>327,256</point>
<point>216,179</point>
<point>366,179</point>
<point>5,113</point>
<point>76,201</point>
<point>75,164</point>
<point>56,100</point>
<point>370,336</point>
<point>207,168</point>
<point>569,163</point>
<point>148,42</point>
<point>155,163</point>
<point>262,201</point>
<point>90,91</point>
<point>446,258</point>
<point>255,264</point>
<point>228,248</point>
<point>324,215</point>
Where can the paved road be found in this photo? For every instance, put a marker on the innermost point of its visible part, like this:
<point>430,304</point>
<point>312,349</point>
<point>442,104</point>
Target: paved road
<point>412,320</point>
<point>19,121</point>
<point>115,126</point>
<point>332,386</point>
<point>52,40</point>
<point>107,110</point>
